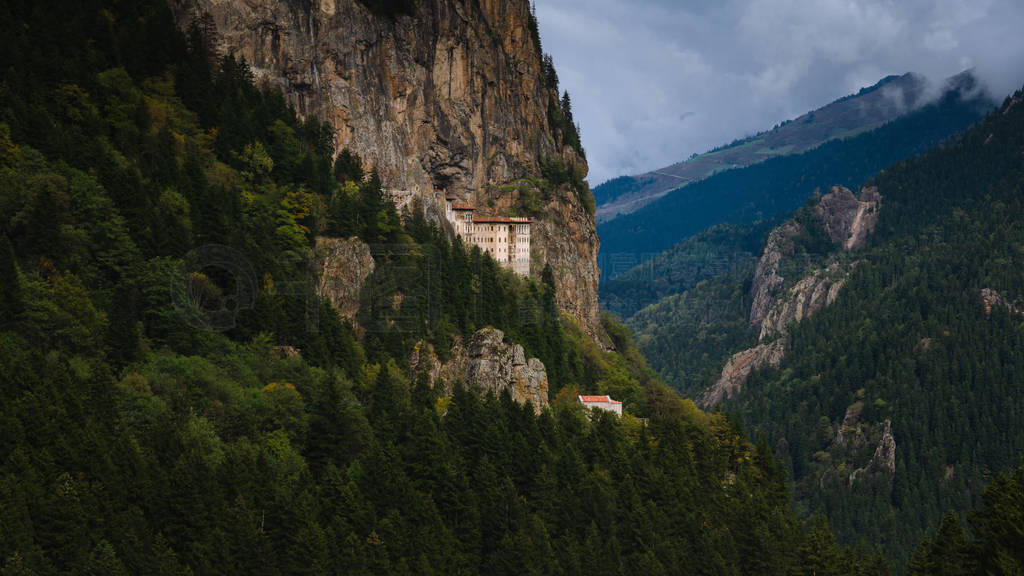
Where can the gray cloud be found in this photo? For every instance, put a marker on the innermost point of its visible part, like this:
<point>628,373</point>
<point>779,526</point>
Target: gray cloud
<point>653,81</point>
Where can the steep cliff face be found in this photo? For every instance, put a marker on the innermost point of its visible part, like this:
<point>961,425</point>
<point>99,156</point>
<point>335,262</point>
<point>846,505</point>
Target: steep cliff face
<point>779,302</point>
<point>848,221</point>
<point>738,369</point>
<point>342,265</point>
<point>812,293</point>
<point>451,97</point>
<point>767,279</point>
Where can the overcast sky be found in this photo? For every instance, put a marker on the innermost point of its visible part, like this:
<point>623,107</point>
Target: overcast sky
<point>653,81</point>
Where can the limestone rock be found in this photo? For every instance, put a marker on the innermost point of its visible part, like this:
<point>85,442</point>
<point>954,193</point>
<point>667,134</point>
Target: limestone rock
<point>738,369</point>
<point>812,293</point>
<point>778,304</point>
<point>883,460</point>
<point>848,220</point>
<point>488,362</point>
<point>495,365</point>
<point>342,265</point>
<point>766,275</point>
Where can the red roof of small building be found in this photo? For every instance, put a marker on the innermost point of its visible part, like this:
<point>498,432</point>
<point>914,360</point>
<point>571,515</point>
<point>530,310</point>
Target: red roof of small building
<point>501,220</point>
<point>448,196</point>
<point>462,207</point>
<point>605,399</point>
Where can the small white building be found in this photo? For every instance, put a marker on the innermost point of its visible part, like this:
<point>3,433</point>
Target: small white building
<point>601,403</point>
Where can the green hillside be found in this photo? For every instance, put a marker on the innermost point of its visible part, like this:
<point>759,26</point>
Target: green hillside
<point>175,398</point>
<point>925,335</point>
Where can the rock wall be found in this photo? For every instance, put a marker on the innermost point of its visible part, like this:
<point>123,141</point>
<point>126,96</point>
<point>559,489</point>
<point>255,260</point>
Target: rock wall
<point>452,97</point>
<point>992,299</point>
<point>488,362</point>
<point>812,293</point>
<point>848,222</point>
<point>738,369</point>
<point>342,265</point>
<point>767,279</point>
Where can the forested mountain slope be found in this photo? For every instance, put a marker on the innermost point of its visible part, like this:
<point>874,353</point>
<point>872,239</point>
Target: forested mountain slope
<point>903,397</point>
<point>783,184</point>
<point>995,543</point>
<point>724,249</point>
<point>176,396</point>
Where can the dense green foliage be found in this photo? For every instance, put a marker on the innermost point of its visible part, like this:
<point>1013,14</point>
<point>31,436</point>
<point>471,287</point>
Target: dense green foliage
<point>688,337</point>
<point>997,545</point>
<point>176,399</point>
<point>911,334</point>
<point>782,184</point>
<point>726,249</point>
<point>910,340</point>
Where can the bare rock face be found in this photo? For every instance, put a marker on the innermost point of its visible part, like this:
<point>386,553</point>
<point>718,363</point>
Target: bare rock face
<point>342,265</point>
<point>848,220</point>
<point>776,306</point>
<point>557,242</point>
<point>766,276</point>
<point>488,362</point>
<point>453,97</point>
<point>738,369</point>
<point>883,460</point>
<point>812,293</point>
<point>496,366</point>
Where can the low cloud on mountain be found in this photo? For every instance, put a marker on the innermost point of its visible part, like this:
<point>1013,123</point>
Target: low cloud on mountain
<point>653,81</point>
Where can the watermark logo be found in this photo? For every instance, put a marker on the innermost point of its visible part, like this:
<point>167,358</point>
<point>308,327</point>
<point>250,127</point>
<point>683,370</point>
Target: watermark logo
<point>215,283</point>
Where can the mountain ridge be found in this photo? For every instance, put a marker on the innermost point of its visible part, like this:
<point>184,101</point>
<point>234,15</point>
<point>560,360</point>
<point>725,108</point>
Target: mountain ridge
<point>784,183</point>
<point>844,117</point>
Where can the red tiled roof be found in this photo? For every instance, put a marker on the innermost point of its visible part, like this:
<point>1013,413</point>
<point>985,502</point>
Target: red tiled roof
<point>501,220</point>
<point>606,399</point>
<point>462,207</point>
<point>448,196</point>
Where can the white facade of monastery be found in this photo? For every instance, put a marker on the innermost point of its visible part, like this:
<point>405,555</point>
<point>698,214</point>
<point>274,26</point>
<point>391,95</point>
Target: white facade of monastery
<point>506,239</point>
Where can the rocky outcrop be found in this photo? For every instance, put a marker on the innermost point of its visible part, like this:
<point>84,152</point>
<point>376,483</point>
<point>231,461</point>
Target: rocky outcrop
<point>850,430</point>
<point>883,460</point>
<point>812,293</point>
<point>452,97</point>
<point>767,279</point>
<point>848,220</point>
<point>489,363</point>
<point>342,265</point>
<point>738,369</point>
<point>776,303</point>
<point>992,299</point>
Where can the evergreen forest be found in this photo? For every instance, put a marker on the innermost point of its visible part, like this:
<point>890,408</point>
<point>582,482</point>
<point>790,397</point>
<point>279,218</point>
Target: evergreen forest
<point>923,344</point>
<point>176,399</point>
